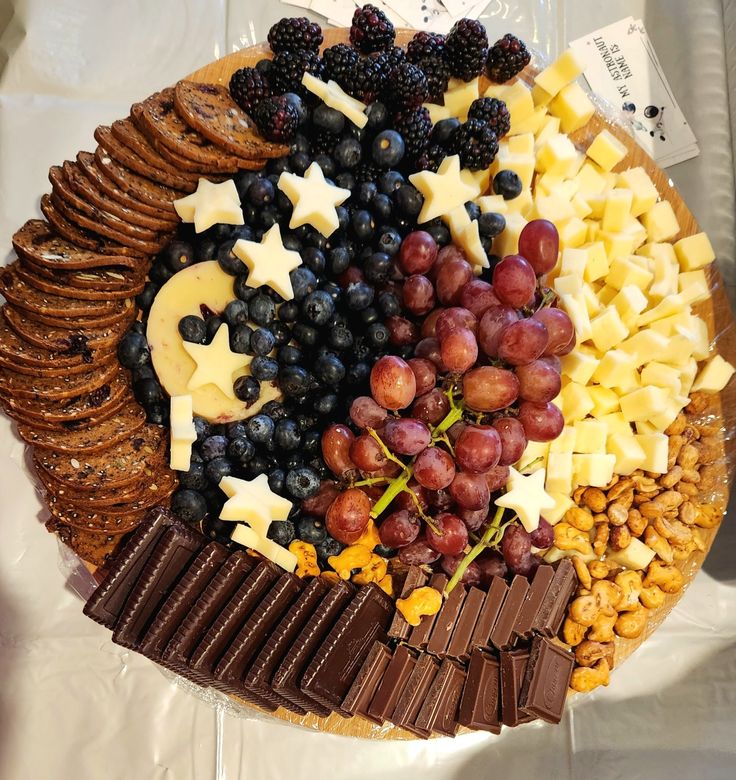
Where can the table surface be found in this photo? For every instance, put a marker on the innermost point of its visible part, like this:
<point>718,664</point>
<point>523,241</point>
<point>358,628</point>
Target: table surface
<point>75,705</point>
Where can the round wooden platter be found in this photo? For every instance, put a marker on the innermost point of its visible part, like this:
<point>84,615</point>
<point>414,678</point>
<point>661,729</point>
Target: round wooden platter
<point>716,312</point>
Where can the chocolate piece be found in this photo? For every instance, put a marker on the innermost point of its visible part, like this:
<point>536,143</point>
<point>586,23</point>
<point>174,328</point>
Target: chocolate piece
<point>547,677</point>
<point>489,612</point>
<point>286,679</point>
<point>513,669</point>
<point>533,601</point>
<point>439,711</point>
<point>107,602</point>
<point>414,693</point>
<point>420,634</point>
<point>480,704</point>
<point>283,637</point>
<point>552,610</point>
<point>369,677</point>
<point>171,556</point>
<point>415,578</point>
<point>465,625</point>
<point>335,666</point>
<point>445,622</point>
<point>391,686</point>
<point>502,633</point>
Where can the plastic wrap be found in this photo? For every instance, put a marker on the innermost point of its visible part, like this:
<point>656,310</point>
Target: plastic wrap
<point>66,67</point>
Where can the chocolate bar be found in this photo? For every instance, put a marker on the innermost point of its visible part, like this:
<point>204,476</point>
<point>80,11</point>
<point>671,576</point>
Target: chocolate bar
<point>389,689</point>
<point>548,674</point>
<point>465,625</point>
<point>371,674</point>
<point>439,711</point>
<point>490,610</point>
<point>513,669</point>
<point>106,604</point>
<point>412,697</point>
<point>286,679</point>
<point>552,610</point>
<point>445,621</point>
<point>419,635</point>
<point>335,665</point>
<point>258,678</point>
<point>502,633</point>
<point>480,704</point>
<point>534,599</point>
<point>170,557</point>
<point>415,578</point>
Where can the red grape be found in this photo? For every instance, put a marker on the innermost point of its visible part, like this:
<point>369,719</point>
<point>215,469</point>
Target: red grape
<point>432,407</point>
<point>454,535</point>
<point>366,413</point>
<point>406,501</point>
<point>542,422</point>
<point>351,275</point>
<point>393,385</point>
<point>399,529</point>
<point>538,382</point>
<point>336,441</point>
<point>453,319</point>
<point>544,535</point>
<point>418,553</point>
<point>470,490</point>
<point>491,564</point>
<point>478,448</point>
<point>454,431</point>
<point>522,342</point>
<point>488,389</point>
<point>471,575</point>
<point>513,439</point>
<point>496,477</point>
<point>515,545</point>
<point>493,323</point>
<point>401,331</point>
<point>367,454</point>
<point>477,296</point>
<point>447,253</point>
<point>440,500</point>
<point>459,350</point>
<point>430,348</point>
<point>566,349</point>
<point>553,361</point>
<point>318,504</point>
<point>406,436</point>
<point>429,323</point>
<point>434,468</point>
<point>559,328</point>
<point>452,276</point>
<point>526,566</point>
<point>473,518</point>
<point>348,516</point>
<point>514,281</point>
<point>425,373</point>
<point>539,243</point>
<point>418,252</point>
<point>418,294</point>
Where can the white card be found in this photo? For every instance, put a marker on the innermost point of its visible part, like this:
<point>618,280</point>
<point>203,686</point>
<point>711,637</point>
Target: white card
<point>340,11</point>
<point>428,15</point>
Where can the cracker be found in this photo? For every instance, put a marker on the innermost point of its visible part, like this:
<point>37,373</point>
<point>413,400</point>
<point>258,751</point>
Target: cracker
<point>55,388</point>
<point>25,357</point>
<point>80,285</point>
<point>96,548</point>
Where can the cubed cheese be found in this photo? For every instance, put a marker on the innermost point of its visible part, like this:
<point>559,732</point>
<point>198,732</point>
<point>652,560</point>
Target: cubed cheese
<point>565,442</point>
<point>645,193</point>
<point>576,309</point>
<point>714,375</point>
<point>661,375</point>
<point>606,294</point>
<point>594,470</point>
<point>618,245</point>
<point>661,222</point>
<point>559,472</point>
<point>460,95</point>
<point>550,126</point>
<point>517,96</point>
<point>688,372</point>
<point>573,261</point>
<point>674,304</point>
<point>557,156</point>
<point>568,285</point>
<point>522,144</point>
<point>630,301</point>
<point>580,204</point>
<point>607,150</point>
<point>579,365</point>
<point>596,203</point>
<point>492,203</point>
<point>535,453</point>
<point>665,278</point>
<point>605,400</point>
<point>553,208</point>
<point>607,329</point>
<point>667,415</point>
<point>693,285</point>
<point>590,180</point>
<point>528,124</point>
<point>628,452</point>
<point>507,243</point>
<point>655,446</point>
<point>698,333</point>
<point>597,266</point>
<point>617,369</point>
<point>576,402</point>
<point>616,210</point>
<point>645,346</point>
<point>616,423</point>
<point>694,252</point>
<point>636,556</point>
<point>563,502</point>
<point>540,96</point>
<point>590,436</point>
<point>573,233</point>
<point>437,112</point>
<point>676,323</point>
<point>592,303</point>
<point>521,164</point>
<point>643,404</point>
<point>573,107</point>
<point>565,69</point>
<point>624,272</point>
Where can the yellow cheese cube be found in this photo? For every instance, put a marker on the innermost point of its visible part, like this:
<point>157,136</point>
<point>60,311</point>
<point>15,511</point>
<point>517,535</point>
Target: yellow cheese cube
<point>594,228</point>
<point>565,442</point>
<point>573,261</point>
<point>617,369</point>
<point>576,309</point>
<point>517,96</point>
<point>546,184</point>
<point>674,304</point>
<point>568,285</point>
<point>624,272</point>
<point>606,294</point>
<point>700,338</point>
<point>536,453</point>
<point>661,222</point>
<point>665,278</point>
<point>643,262</point>
<point>573,107</point>
<point>618,245</point>
<point>550,126</point>
<point>635,229</point>
<point>678,351</point>
<point>645,346</point>
<point>688,372</point>
<point>694,252</point>
<point>521,164</point>
<point>645,193</point>
<point>655,446</point>
<point>460,95</point>
<point>559,472</point>
<point>605,400</point>
<point>592,303</point>
<point>573,232</point>
<point>580,204</point>
<point>437,112</point>
<point>714,375</point>
<point>628,452</point>
<point>630,301</point>
<point>636,556</point>
<point>693,285</point>
<point>529,124</point>
<point>470,242</point>
<point>607,329</point>
<point>563,502</point>
<point>566,68</point>
<point>507,243</point>
<point>540,96</point>
<point>607,150</point>
<point>522,144</point>
<point>643,403</point>
<point>644,428</point>
<point>595,470</point>
<point>616,210</point>
<point>661,375</point>
<point>557,156</point>
<point>590,180</point>
<point>576,402</point>
<point>590,436</point>
<point>564,188</point>
<point>597,266</point>
<point>579,365</point>
<point>522,204</point>
<point>492,203</point>
<point>677,323</point>
<point>616,423</point>
<point>654,250</point>
<point>662,420</point>
<point>597,204</point>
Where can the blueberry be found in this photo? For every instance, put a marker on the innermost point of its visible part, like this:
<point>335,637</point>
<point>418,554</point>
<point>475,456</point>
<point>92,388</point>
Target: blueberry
<point>286,435</point>
<point>311,530</point>
<point>491,224</point>
<point>268,216</point>
<point>281,531</point>
<point>329,369</point>
<point>318,307</point>
<point>326,404</point>
<point>217,530</point>
<point>289,311</point>
<point>148,392</point>
<point>378,116</point>
<point>178,255</point>
<point>439,233</point>
<point>260,428</point>
<point>327,164</point>
<point>472,209</point>
<point>143,372</point>
<point>359,373</point>
<point>241,449</point>
<point>203,428</point>
<point>281,333</point>
<point>247,389</point>
<point>213,447</point>
<point>240,339</point>
<point>340,338</point>
<point>388,149</point>
<point>306,335</point>
<point>133,350</point>
<point>262,309</point>
<point>389,241</point>
<point>378,335</point>
<point>277,480</point>
<point>229,263</point>
<point>315,239</point>
<point>290,355</point>
<point>328,118</point>
<point>346,180</point>
<point>243,180</point>
<point>382,206</point>
<point>508,184</point>
<point>303,281</point>
<point>302,482</point>
<point>390,181</point>
<point>299,163</point>
<point>377,267</point>
<point>343,219</point>
<point>359,295</point>
<point>280,165</point>
<point>294,380</point>
<point>189,505</point>
<point>261,192</point>
<point>217,469</point>
<point>264,67</point>
<point>160,273</point>
<point>298,105</point>
<point>311,442</point>
<point>262,341</point>
<point>333,290</point>
<point>443,130</point>
<point>236,313</point>
<point>369,316</point>
<point>362,224</point>
<point>206,249</point>
<point>212,325</point>
<point>275,410</point>
<point>385,552</point>
<point>348,152</point>
<point>194,479</point>
<point>264,369</point>
<point>242,290</point>
<point>139,326</point>
<point>294,460</point>
<point>389,304</point>
<point>366,192</point>
<point>328,548</point>
<point>408,200</point>
<point>257,465</point>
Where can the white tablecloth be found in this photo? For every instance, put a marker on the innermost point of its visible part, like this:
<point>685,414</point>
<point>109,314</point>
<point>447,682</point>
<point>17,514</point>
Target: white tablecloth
<point>72,704</point>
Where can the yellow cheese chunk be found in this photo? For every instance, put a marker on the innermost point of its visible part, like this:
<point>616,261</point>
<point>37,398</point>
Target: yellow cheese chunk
<point>522,144</point>
<point>266,547</point>
<point>557,156</point>
<point>617,369</point>
<point>608,329</point>
<point>518,99</point>
<point>492,203</point>
<point>590,180</point>
<point>606,150</point>
<point>667,415</point>
<point>655,446</point>
<point>183,434</point>
<point>595,470</point>
<point>645,346</point>
<point>334,96</point>
<point>521,164</point>
<point>597,203</point>
<point>661,222</point>
<point>635,230</point>
<point>565,69</point>
<point>618,245</point>
<point>714,376</point>
<point>470,242</point>
<point>559,473</point>
<point>645,193</point>
<point>573,107</point>
<point>550,126</point>
<point>568,285</point>
<point>565,442</point>
<point>661,375</point>
<point>665,277</point>
<point>529,124</point>
<point>693,285</point>
<point>573,233</point>
<point>676,323</point>
<point>576,402</point>
<point>535,453</point>
<point>699,336</point>
<point>674,304</point>
<point>437,112</point>
<point>643,404</point>
<point>688,372</point>
<point>694,252</point>
<point>644,428</point>
<point>606,294</point>
<point>624,272</point>
<point>552,208</point>
<point>579,365</point>
<point>616,423</point>
<point>636,556</point>
<point>507,243</point>
<point>577,311</point>
<point>540,96</point>
<point>590,436</point>
<point>460,96</point>
<point>628,452</point>
<point>616,210</point>
<point>563,502</point>
<point>605,400</point>
<point>580,204</point>
<point>597,266</point>
<point>630,302</point>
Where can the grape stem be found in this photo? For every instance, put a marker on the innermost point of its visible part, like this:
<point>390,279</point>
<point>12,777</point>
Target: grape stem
<point>371,481</point>
<point>386,451</point>
<point>531,464</point>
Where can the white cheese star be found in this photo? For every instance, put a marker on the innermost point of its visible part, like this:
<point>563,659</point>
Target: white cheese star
<point>315,201</point>
<point>282,557</point>
<point>334,96</point>
<point>211,204</point>
<point>253,502</point>
<point>216,363</point>
<point>526,496</point>
<point>269,262</point>
<point>443,191</point>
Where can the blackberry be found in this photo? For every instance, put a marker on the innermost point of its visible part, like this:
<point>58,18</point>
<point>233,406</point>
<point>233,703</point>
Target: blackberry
<point>295,34</point>
<point>425,44</point>
<point>431,158</point>
<point>415,127</point>
<point>366,78</point>
<point>466,49</point>
<point>323,142</point>
<point>371,30</point>
<point>476,143</point>
<point>290,66</point>
<point>248,88</point>
<point>507,57</point>
<point>406,86</point>
<point>394,56</point>
<point>276,119</point>
<point>338,59</point>
<point>438,74</point>
<point>493,112</point>
<point>366,172</point>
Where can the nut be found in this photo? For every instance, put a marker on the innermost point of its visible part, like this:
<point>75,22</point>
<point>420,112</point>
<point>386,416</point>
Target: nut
<point>659,544</point>
<point>677,426</point>
<point>687,513</point>
<point>668,578</point>
<point>652,597</point>
<point>636,522</point>
<point>674,446</point>
<point>620,537</point>
<point>569,538</point>
<point>420,602</point>
<point>710,450</point>
<point>710,476</point>
<point>373,571</point>
<point>578,518</point>
<point>673,531</point>
<point>708,515</point>
<point>573,633</point>
<point>585,679</point>
<point>602,628</point>
<point>588,653</point>
<point>607,594</point>
<point>595,499</point>
<point>672,477</point>
<point>584,610</point>
<point>688,457</point>
<point>620,487</point>
<point>354,557</point>
<point>306,558</point>
<point>617,513</point>
<point>632,624</point>
<point>600,540</point>
<point>698,403</point>
<point>687,489</point>
<point>670,499</point>
<point>630,583</point>
<point>692,476</point>
<point>650,510</point>
<point>582,571</point>
<point>599,570</point>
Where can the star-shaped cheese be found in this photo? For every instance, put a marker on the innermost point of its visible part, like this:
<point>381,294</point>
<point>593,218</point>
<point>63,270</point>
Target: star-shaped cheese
<point>211,204</point>
<point>315,201</point>
<point>253,502</point>
<point>526,496</point>
<point>282,557</point>
<point>269,262</point>
<point>443,191</point>
<point>334,96</point>
<point>216,362</point>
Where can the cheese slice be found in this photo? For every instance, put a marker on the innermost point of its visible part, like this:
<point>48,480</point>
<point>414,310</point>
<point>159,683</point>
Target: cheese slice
<point>714,376</point>
<point>334,96</point>
<point>183,433</point>
<point>282,557</point>
<point>241,494</point>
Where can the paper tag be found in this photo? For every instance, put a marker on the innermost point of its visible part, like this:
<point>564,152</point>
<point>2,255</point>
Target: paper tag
<point>622,68</point>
